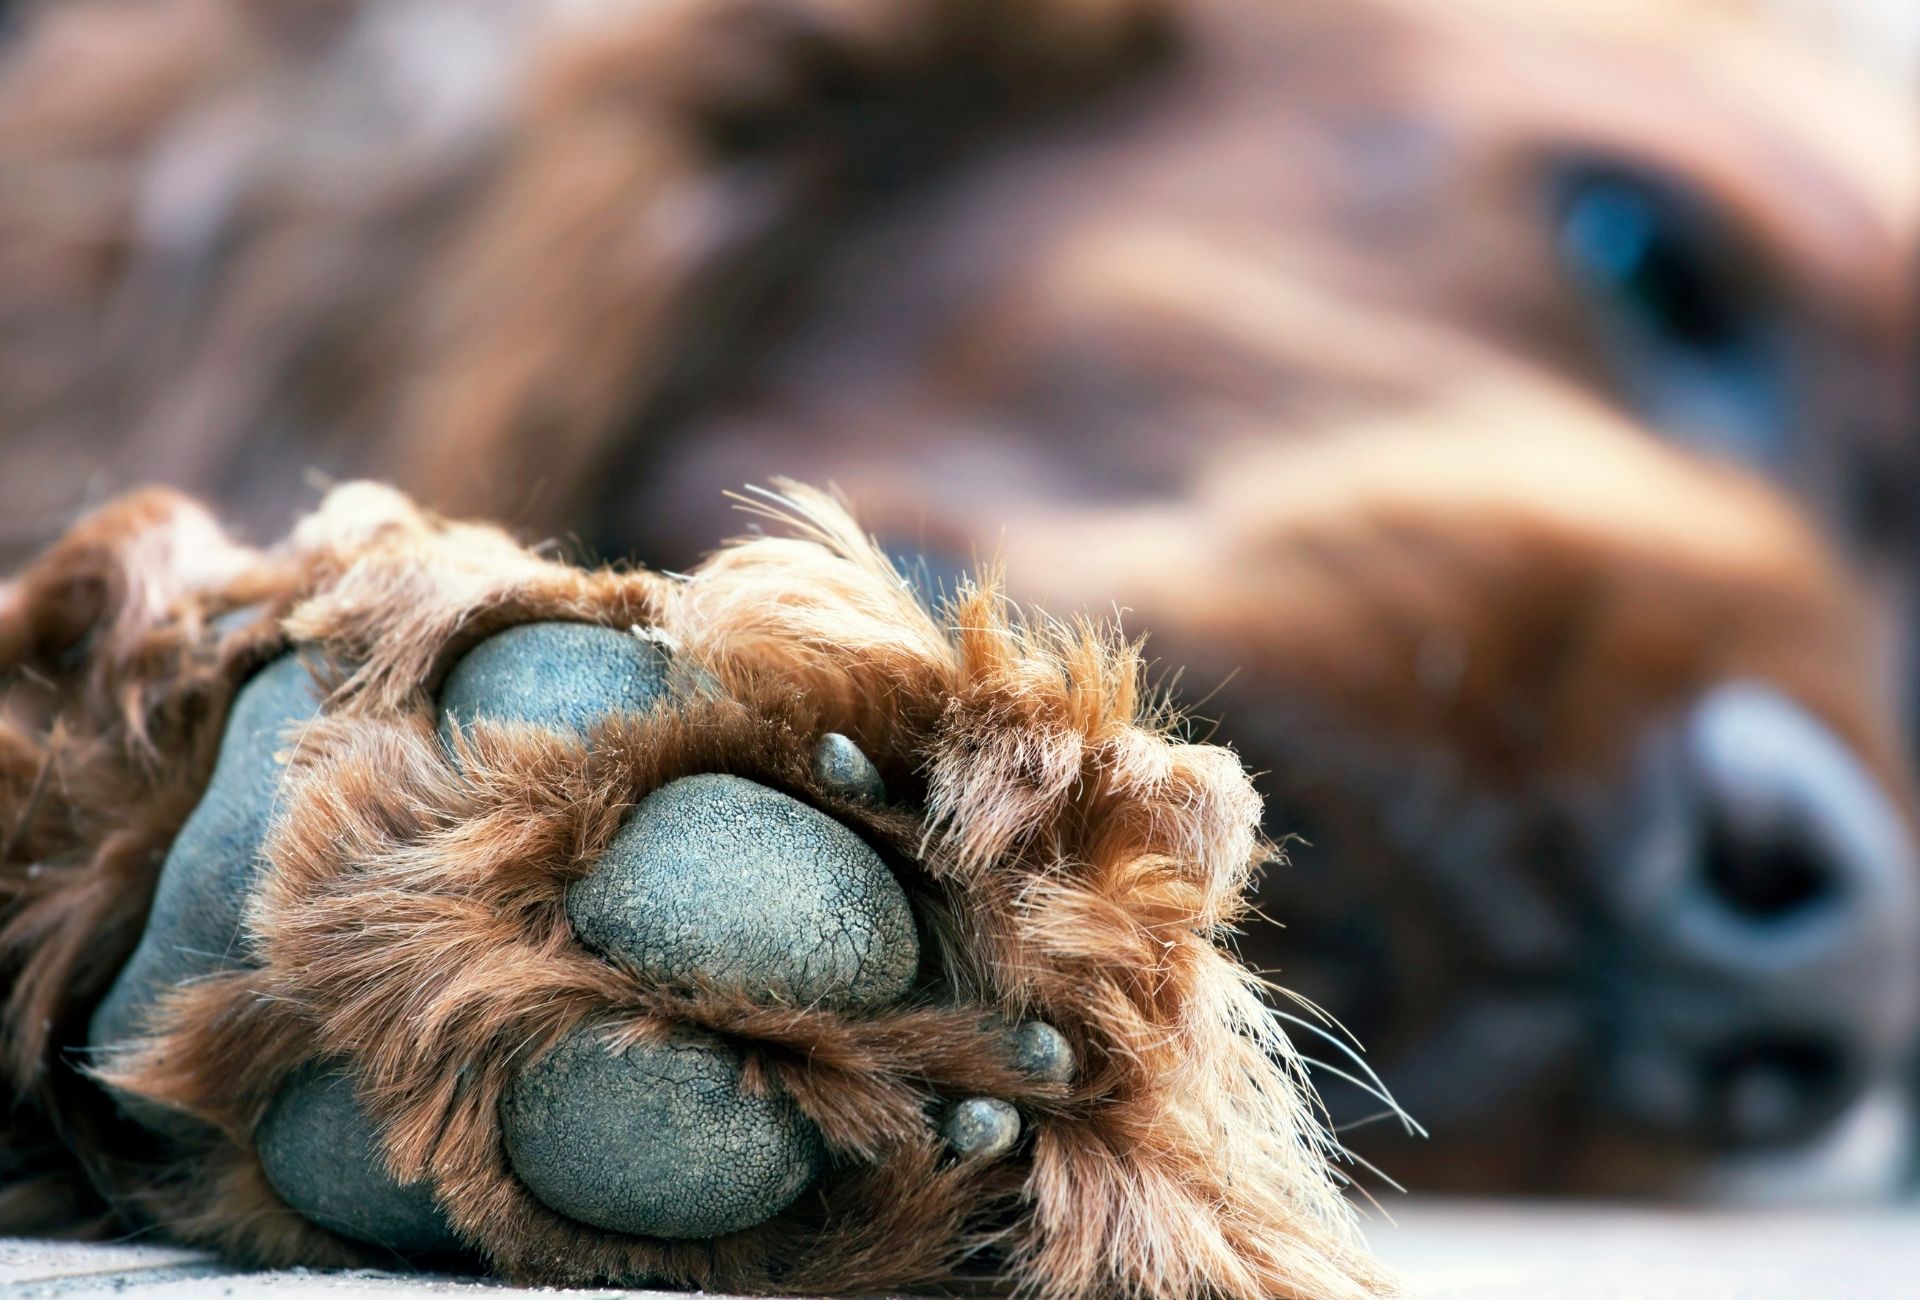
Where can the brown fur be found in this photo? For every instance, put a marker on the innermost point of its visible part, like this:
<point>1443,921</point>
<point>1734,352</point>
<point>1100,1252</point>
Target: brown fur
<point>1240,315</point>
<point>1072,862</point>
<point>540,292</point>
<point>110,717</point>
<point>485,297</point>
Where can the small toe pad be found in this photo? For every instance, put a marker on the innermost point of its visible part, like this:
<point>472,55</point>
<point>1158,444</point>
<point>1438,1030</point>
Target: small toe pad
<point>841,767</point>
<point>1042,1052</point>
<point>983,1128</point>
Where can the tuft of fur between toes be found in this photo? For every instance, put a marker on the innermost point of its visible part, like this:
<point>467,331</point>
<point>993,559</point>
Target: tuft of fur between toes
<point>1070,864</point>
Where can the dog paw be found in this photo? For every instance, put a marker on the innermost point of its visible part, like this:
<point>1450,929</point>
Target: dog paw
<point>762,929</point>
<point>713,882</point>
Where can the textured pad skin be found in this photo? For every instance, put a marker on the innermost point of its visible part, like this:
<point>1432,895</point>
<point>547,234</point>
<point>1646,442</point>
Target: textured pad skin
<point>568,676</point>
<point>194,926</point>
<point>1040,1051</point>
<point>721,878</point>
<point>982,1128</point>
<point>658,1140</point>
<point>318,1150</point>
<point>839,765</point>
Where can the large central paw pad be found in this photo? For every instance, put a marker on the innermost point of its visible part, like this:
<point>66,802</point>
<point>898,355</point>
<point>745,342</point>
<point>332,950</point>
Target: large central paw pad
<point>722,878</point>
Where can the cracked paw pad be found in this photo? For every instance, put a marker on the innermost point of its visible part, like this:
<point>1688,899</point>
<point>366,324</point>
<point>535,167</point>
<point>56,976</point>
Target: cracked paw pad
<point>319,1151</point>
<point>658,1140</point>
<point>750,890</point>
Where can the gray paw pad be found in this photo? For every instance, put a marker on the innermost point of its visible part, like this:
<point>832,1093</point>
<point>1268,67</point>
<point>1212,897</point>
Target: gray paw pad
<point>1042,1052</point>
<point>723,879</point>
<point>194,926</point>
<point>839,766</point>
<point>319,1151</point>
<point>658,1140</point>
<point>567,676</point>
<point>983,1128</point>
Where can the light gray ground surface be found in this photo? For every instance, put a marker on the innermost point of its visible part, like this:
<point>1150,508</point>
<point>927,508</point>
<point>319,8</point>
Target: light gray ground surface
<point>1443,1250</point>
<point>1494,1251</point>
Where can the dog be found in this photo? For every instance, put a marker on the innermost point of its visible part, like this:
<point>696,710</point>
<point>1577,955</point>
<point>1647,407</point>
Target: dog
<point>1501,411</point>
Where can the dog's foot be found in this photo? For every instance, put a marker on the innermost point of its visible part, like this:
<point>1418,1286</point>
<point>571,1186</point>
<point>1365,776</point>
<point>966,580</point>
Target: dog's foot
<point>759,930</point>
<point>713,882</point>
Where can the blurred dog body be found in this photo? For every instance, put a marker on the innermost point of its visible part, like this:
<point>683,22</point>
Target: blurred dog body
<point>1496,406</point>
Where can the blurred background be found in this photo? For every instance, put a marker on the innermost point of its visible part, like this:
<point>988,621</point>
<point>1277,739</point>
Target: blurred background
<point>1502,416</point>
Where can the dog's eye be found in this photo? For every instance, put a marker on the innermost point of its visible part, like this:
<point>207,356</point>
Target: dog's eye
<point>1676,311</point>
<point>1631,246</point>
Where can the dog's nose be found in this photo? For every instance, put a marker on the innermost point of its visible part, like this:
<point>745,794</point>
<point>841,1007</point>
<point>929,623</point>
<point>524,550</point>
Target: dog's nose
<point>1768,962</point>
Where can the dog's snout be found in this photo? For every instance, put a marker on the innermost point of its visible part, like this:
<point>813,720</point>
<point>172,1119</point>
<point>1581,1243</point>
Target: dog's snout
<point>1788,823</point>
<point>1769,956</point>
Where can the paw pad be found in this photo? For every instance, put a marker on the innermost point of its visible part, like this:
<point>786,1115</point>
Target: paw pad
<point>722,879</point>
<point>194,926</point>
<point>981,1128</point>
<point>658,1140</point>
<point>567,676</point>
<point>318,1149</point>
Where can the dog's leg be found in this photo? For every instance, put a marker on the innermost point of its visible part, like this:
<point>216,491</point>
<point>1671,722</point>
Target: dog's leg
<point>756,929</point>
